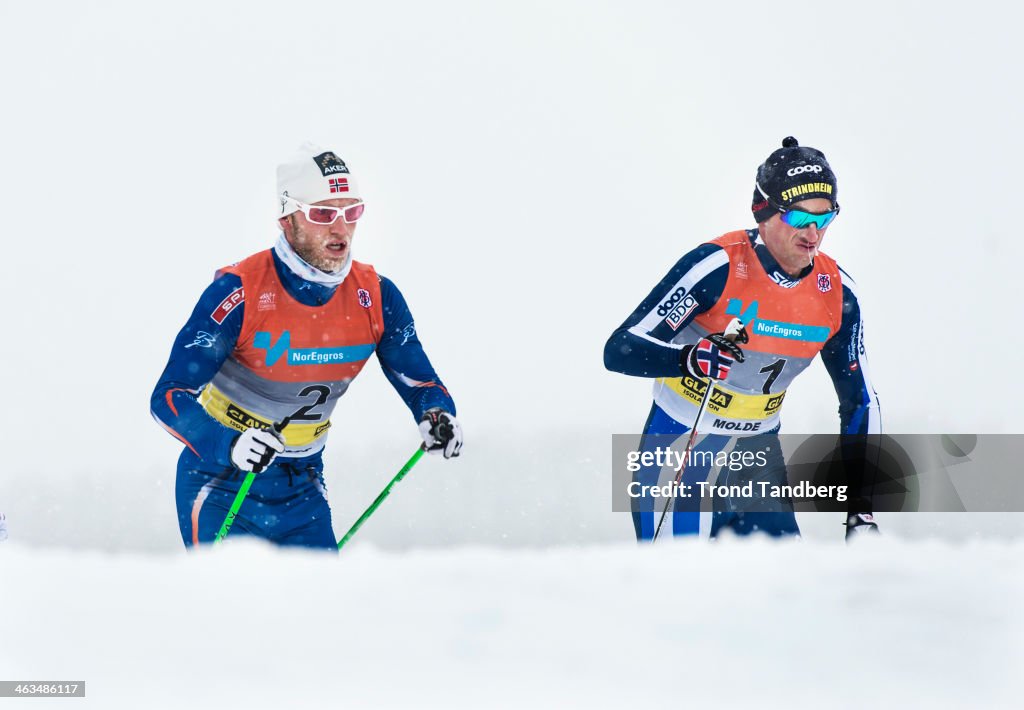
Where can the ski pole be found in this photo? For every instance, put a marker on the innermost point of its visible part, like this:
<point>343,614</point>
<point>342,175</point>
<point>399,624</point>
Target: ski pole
<point>383,494</point>
<point>236,504</point>
<point>731,333</point>
<point>686,456</point>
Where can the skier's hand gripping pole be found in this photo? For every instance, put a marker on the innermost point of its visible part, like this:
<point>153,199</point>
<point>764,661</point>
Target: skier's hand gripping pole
<point>236,504</point>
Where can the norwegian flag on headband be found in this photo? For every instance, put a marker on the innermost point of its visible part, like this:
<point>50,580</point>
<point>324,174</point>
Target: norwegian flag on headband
<point>712,361</point>
<point>339,184</point>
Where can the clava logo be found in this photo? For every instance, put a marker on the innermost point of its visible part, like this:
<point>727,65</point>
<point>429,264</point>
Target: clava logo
<point>275,350</point>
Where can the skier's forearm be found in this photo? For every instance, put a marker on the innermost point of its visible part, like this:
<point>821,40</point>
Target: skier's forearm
<point>198,352</point>
<point>639,356</point>
<point>403,359</point>
<point>845,359</point>
<point>642,346</point>
<point>179,412</point>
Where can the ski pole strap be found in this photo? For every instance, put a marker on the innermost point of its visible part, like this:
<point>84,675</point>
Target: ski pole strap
<point>383,494</point>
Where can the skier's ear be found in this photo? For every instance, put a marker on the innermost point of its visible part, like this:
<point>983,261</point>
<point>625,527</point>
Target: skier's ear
<point>286,226</point>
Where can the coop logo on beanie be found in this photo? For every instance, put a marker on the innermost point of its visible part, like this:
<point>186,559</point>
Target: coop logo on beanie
<point>791,174</point>
<point>311,176</point>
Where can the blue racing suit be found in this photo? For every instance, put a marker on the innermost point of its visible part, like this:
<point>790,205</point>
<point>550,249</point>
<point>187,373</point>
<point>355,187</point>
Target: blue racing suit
<point>790,320</point>
<point>196,400</point>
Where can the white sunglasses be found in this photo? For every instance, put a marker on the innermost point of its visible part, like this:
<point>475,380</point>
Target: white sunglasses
<point>318,214</point>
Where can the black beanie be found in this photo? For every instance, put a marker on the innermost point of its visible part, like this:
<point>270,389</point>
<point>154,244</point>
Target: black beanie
<point>792,173</point>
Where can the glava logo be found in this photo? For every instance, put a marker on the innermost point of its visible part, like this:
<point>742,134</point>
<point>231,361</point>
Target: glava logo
<point>244,419</point>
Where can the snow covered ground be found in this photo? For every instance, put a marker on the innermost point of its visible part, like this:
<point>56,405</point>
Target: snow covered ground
<point>888,625</point>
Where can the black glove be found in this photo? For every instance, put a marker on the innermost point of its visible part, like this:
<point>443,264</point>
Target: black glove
<point>861,525</point>
<point>441,432</point>
<point>712,356</point>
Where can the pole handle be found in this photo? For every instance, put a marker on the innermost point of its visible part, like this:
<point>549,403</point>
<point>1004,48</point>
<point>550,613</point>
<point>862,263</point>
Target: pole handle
<point>734,331</point>
<point>243,491</point>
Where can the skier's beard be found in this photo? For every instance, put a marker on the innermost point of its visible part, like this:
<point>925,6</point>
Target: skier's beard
<point>309,255</point>
<point>307,249</point>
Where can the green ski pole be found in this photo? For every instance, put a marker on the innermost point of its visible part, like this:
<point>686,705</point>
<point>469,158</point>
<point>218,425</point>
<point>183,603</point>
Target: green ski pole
<point>236,504</point>
<point>383,494</point>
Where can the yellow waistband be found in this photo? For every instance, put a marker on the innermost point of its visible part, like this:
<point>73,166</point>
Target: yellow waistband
<point>218,406</point>
<point>735,405</point>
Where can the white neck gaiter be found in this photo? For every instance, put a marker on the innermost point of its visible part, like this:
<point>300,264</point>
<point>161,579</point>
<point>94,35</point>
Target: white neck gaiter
<point>307,271</point>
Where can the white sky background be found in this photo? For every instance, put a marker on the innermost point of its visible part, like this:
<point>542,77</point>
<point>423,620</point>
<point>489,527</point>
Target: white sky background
<point>531,170</point>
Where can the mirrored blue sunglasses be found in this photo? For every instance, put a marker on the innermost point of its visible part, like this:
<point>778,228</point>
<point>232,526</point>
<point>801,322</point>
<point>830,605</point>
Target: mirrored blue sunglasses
<point>798,219</point>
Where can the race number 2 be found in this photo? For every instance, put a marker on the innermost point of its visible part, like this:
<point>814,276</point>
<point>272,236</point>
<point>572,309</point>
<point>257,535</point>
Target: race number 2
<point>305,413</point>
